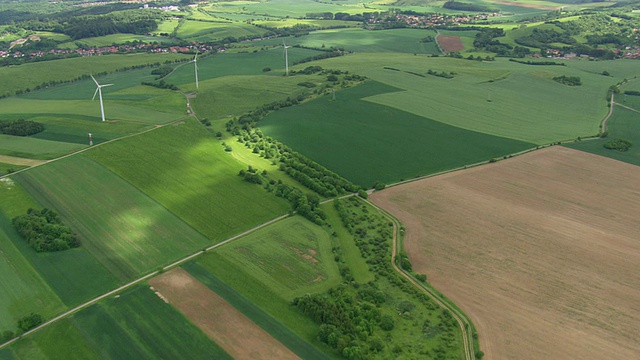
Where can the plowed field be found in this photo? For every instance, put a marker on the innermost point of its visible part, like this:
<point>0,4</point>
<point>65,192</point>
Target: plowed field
<point>541,251</point>
<point>450,43</point>
<point>230,329</point>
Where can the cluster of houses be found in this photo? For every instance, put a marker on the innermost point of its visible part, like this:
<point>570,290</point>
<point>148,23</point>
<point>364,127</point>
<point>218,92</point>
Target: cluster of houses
<point>113,49</point>
<point>629,52</point>
<point>431,19</point>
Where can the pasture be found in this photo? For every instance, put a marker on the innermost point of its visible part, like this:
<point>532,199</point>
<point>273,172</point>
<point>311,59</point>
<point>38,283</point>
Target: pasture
<point>133,325</point>
<point>125,230</point>
<point>224,324</point>
<point>187,171</point>
<point>366,142</point>
<point>292,257</point>
<point>115,39</point>
<point>548,243</point>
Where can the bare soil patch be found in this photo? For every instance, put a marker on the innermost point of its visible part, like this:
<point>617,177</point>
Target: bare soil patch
<point>541,251</point>
<point>20,161</point>
<point>229,328</point>
<point>450,43</point>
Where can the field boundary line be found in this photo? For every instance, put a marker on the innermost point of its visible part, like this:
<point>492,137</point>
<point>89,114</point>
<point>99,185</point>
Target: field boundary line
<point>461,319</point>
<point>139,280</point>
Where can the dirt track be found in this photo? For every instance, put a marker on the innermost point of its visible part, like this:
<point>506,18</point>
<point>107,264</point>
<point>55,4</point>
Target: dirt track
<point>234,332</point>
<point>541,251</point>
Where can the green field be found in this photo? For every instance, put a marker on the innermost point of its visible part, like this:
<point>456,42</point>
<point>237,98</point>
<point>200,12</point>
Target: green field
<point>623,124</point>
<point>204,31</point>
<point>34,148</point>
<point>293,257</point>
<point>525,103</point>
<point>228,64</point>
<point>127,232</point>
<point>74,275</point>
<point>24,290</point>
<point>390,144</point>
<point>186,170</point>
<point>30,75</point>
<point>136,325</point>
<point>6,168</point>
<point>365,41</point>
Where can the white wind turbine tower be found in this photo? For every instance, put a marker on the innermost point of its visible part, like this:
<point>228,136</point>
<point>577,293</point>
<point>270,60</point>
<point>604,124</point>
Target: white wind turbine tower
<point>195,67</point>
<point>286,59</point>
<point>99,92</point>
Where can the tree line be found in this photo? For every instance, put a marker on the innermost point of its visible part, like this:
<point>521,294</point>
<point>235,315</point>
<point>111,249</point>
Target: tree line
<point>20,127</point>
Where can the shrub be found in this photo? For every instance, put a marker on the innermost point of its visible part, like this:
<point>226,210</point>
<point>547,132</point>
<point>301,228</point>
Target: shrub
<point>30,321</point>
<point>618,145</point>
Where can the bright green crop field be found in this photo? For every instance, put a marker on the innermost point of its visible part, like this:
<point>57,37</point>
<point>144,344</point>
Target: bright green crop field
<point>30,75</point>
<point>128,232</point>
<point>136,325</point>
<point>366,142</point>
<point>186,170</point>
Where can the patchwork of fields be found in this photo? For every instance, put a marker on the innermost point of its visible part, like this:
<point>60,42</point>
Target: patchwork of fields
<point>539,249</point>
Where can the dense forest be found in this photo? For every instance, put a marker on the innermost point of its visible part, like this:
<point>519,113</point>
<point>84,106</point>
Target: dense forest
<point>44,231</point>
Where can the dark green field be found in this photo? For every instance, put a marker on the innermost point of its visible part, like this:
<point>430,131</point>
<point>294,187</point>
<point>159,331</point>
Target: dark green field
<point>367,142</point>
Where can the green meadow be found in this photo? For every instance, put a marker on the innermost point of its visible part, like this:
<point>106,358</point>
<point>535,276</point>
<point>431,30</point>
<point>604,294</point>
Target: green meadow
<point>293,257</point>
<point>367,142</point>
<point>135,325</point>
<point>126,231</point>
<point>187,171</point>
<point>115,39</point>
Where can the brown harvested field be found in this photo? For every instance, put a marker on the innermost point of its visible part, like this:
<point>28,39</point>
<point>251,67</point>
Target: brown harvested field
<point>20,161</point>
<point>542,251</point>
<point>450,43</point>
<point>234,332</point>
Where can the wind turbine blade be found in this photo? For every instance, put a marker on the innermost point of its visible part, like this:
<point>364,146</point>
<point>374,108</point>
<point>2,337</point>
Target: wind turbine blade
<point>106,85</point>
<point>94,80</point>
<point>195,58</point>
<point>95,93</point>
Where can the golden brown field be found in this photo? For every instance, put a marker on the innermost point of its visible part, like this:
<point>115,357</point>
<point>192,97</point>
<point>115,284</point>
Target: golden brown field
<point>542,251</point>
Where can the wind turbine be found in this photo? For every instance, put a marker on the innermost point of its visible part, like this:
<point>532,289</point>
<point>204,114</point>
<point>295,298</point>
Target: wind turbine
<point>195,67</point>
<point>286,59</point>
<point>99,92</point>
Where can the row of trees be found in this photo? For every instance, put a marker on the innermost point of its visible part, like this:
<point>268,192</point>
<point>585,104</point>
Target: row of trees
<point>20,127</point>
<point>44,231</point>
